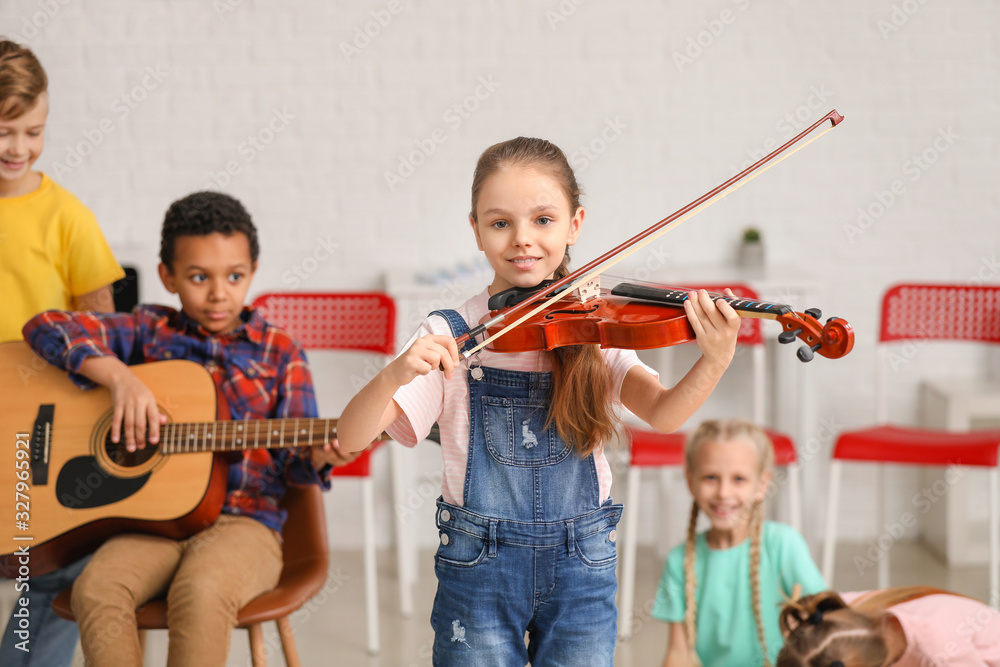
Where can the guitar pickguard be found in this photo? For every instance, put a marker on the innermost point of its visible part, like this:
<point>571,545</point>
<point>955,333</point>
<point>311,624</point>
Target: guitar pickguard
<point>83,484</point>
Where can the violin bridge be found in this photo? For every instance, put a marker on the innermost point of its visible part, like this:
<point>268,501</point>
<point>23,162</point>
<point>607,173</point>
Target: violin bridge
<point>589,290</point>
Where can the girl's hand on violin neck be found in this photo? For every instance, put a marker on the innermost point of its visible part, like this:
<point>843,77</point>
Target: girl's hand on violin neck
<point>425,355</point>
<point>716,324</point>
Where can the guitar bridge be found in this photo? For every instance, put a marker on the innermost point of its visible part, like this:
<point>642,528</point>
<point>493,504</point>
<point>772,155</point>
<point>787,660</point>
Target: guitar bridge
<point>41,443</point>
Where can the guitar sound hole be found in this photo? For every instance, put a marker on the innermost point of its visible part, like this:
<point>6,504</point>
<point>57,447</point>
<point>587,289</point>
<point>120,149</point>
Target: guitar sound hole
<point>124,458</point>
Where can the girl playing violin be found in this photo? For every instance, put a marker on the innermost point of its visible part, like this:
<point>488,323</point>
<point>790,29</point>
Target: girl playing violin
<point>526,522</point>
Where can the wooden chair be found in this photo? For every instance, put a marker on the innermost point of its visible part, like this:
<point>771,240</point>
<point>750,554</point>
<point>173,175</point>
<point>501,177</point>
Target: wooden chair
<point>364,323</point>
<point>306,554</point>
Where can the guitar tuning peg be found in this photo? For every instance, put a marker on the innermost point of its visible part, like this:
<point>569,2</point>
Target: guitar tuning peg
<point>814,312</point>
<point>805,353</point>
<point>789,336</point>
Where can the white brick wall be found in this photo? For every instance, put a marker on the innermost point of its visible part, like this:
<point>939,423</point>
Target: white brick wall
<point>562,70</point>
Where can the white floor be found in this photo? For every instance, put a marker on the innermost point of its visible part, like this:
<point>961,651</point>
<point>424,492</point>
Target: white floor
<point>330,630</point>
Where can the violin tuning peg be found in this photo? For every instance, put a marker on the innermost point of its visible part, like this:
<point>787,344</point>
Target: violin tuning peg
<point>789,336</point>
<point>814,312</point>
<point>831,319</point>
<point>805,353</point>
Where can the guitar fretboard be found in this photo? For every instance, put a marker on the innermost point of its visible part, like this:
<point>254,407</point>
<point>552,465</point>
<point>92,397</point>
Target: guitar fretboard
<point>231,436</point>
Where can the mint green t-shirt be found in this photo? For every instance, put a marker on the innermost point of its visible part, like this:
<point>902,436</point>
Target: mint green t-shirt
<point>727,631</point>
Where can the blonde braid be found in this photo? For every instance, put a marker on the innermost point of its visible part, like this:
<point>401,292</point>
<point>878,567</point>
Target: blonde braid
<point>690,585</point>
<point>756,531</point>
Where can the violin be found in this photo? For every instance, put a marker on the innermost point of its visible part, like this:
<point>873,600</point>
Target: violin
<point>641,316</point>
<point>616,320</point>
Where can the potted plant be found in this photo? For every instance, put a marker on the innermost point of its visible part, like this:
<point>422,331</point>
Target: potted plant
<point>751,250</point>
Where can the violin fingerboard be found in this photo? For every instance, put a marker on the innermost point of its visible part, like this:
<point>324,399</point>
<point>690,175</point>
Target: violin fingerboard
<point>677,297</point>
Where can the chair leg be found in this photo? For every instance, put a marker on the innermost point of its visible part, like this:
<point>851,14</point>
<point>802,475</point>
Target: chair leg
<point>288,642</point>
<point>405,558</point>
<point>794,497</point>
<point>258,652</point>
<point>371,571</point>
<point>666,479</point>
<point>830,540</point>
<point>883,561</point>
<point>995,538</point>
<point>628,553</point>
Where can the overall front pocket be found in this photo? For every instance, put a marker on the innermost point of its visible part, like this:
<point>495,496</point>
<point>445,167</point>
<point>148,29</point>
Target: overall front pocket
<point>598,550</point>
<point>516,433</point>
<point>460,549</point>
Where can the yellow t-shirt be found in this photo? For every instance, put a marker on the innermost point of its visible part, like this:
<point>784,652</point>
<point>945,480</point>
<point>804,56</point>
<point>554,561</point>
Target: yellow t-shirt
<point>51,250</point>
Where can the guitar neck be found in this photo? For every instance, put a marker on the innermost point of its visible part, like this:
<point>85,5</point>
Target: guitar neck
<point>677,297</point>
<point>235,436</point>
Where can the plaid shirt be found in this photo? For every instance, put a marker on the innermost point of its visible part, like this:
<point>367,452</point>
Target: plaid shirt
<point>260,370</point>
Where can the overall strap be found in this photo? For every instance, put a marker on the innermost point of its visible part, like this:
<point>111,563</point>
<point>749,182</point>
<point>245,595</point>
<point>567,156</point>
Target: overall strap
<point>458,326</point>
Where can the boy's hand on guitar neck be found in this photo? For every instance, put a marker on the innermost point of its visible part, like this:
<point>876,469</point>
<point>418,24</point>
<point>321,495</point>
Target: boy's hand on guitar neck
<point>134,404</point>
<point>331,454</point>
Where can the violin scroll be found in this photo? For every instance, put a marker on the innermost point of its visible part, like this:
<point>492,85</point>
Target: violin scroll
<point>832,340</point>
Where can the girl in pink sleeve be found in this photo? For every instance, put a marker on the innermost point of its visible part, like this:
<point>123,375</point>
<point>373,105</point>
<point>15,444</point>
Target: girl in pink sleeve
<point>907,627</point>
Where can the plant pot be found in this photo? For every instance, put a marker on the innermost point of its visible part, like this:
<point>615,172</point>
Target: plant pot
<point>750,256</point>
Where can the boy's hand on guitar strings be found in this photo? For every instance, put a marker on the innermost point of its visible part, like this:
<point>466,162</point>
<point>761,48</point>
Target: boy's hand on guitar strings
<point>715,324</point>
<point>135,410</point>
<point>425,355</point>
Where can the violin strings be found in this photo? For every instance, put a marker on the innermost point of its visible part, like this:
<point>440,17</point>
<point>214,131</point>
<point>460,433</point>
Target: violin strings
<point>642,244</point>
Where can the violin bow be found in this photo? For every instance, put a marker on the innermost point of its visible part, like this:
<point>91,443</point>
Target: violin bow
<point>596,267</point>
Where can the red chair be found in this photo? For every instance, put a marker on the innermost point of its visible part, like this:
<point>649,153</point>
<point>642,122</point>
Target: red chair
<point>923,312</point>
<point>363,322</point>
<point>650,449</point>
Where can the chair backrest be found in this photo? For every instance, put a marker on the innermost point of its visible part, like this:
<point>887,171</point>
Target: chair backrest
<point>306,555</point>
<point>334,320</point>
<point>934,312</point>
<point>304,532</point>
<point>125,292</point>
<point>353,321</point>
<point>941,312</point>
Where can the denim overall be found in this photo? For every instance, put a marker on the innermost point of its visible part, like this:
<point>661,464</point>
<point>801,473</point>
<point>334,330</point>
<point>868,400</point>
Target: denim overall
<point>532,550</point>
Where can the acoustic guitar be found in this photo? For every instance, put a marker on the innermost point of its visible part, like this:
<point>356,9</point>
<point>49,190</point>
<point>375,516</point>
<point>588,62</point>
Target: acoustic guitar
<point>65,487</point>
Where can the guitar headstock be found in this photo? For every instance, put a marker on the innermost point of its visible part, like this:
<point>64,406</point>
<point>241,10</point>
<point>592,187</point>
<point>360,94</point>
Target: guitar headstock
<point>832,340</point>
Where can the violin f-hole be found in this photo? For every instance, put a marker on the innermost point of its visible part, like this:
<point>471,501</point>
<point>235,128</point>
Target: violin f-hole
<point>570,311</point>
